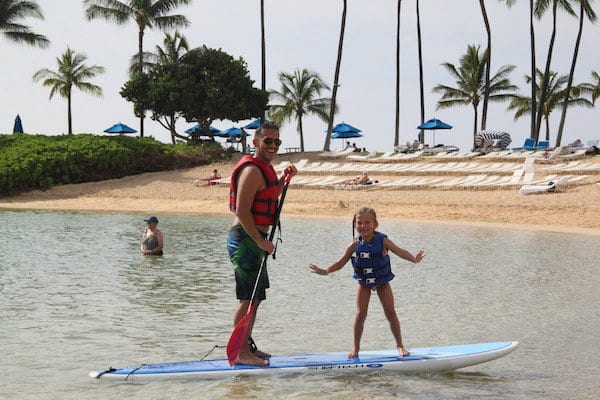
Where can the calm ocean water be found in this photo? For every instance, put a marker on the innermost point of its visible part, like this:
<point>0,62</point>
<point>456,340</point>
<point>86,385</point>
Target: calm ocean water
<point>77,296</point>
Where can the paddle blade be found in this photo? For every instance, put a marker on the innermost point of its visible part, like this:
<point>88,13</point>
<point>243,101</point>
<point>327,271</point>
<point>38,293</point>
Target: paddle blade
<point>238,336</point>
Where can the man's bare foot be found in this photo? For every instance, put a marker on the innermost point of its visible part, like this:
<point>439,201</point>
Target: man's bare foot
<point>403,352</point>
<point>251,359</point>
<point>261,354</point>
<point>255,350</point>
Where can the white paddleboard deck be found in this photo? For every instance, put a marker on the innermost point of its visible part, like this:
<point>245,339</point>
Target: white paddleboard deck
<point>421,359</point>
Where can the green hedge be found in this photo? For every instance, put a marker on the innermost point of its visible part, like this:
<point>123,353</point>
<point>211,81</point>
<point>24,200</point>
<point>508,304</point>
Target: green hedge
<point>30,162</point>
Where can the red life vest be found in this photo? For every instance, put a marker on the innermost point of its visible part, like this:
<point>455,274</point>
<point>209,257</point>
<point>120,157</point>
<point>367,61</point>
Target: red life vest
<point>265,201</point>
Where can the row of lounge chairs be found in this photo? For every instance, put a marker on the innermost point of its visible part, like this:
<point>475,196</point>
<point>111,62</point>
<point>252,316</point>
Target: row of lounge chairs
<point>503,155</point>
<point>475,181</point>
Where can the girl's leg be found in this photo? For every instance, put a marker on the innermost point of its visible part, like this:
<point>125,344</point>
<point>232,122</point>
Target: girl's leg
<point>386,297</point>
<point>363,295</point>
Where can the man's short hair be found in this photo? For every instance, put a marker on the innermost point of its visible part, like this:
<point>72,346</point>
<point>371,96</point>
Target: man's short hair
<point>266,125</point>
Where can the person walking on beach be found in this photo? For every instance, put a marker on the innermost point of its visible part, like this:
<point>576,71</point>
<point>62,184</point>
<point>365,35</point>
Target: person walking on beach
<point>372,270</point>
<point>152,239</point>
<point>254,193</point>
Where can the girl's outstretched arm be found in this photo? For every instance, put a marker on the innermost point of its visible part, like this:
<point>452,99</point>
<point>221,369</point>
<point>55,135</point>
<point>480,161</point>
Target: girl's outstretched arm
<point>339,264</point>
<point>402,253</point>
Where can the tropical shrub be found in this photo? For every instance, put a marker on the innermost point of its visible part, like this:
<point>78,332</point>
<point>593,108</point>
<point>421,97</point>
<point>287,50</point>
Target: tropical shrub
<point>29,162</point>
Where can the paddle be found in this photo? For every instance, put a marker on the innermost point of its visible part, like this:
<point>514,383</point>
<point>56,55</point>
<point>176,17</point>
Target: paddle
<point>238,334</point>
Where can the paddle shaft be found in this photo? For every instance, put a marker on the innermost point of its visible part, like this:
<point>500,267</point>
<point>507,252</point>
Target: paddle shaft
<point>271,237</point>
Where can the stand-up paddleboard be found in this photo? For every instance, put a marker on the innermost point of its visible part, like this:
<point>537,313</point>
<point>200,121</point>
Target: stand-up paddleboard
<point>420,359</point>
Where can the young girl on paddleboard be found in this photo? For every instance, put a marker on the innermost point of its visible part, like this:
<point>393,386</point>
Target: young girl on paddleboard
<point>372,270</point>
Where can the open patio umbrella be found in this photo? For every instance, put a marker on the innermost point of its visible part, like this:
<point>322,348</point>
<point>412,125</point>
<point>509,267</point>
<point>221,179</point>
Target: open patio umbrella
<point>344,131</point>
<point>18,127</point>
<point>345,128</point>
<point>234,132</point>
<point>198,129</point>
<point>434,124</point>
<point>120,128</point>
<point>255,124</point>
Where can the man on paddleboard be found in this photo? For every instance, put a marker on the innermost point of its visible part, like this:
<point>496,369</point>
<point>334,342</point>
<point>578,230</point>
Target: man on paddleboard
<point>254,192</point>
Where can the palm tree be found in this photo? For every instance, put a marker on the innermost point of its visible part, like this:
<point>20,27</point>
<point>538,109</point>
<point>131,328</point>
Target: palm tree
<point>11,14</point>
<point>488,51</point>
<point>263,59</point>
<point>72,72</point>
<point>556,95</point>
<point>299,95</point>
<point>145,13</point>
<point>336,78</point>
<point>510,3</point>
<point>471,83</point>
<point>593,89</point>
<point>169,56</point>
<point>421,81</point>
<point>174,47</point>
<point>584,9</point>
<point>540,7</point>
<point>397,127</point>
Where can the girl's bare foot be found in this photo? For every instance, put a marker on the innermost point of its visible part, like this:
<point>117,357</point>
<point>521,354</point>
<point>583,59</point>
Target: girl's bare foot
<point>353,353</point>
<point>403,352</point>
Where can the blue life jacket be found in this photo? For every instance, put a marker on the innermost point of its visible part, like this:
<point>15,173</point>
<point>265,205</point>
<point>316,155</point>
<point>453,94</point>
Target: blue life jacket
<point>371,267</point>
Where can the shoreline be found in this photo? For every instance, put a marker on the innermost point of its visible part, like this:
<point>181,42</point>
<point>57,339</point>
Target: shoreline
<point>573,210</point>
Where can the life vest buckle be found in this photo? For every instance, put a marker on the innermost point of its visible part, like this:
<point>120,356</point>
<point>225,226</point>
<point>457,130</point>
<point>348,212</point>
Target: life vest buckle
<point>367,271</point>
<point>364,255</point>
<point>371,280</point>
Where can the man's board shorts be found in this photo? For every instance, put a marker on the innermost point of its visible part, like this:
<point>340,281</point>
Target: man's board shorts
<point>246,257</point>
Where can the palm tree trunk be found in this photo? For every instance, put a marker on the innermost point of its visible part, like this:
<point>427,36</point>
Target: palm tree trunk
<point>544,89</point>
<point>69,119</point>
<point>422,133</point>
<point>141,70</point>
<point>533,69</point>
<point>563,114</point>
<point>474,124</point>
<point>263,63</point>
<point>397,130</point>
<point>486,90</point>
<point>336,79</point>
<point>301,132</point>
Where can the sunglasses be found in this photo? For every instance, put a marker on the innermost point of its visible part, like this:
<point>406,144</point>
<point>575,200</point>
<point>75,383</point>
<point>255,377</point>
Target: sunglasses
<point>269,141</point>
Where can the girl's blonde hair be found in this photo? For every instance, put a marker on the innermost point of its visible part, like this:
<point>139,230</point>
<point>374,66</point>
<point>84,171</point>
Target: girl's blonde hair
<point>362,211</point>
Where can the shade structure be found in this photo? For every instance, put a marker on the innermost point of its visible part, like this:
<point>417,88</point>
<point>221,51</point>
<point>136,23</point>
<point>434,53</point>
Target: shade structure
<point>198,129</point>
<point>120,128</point>
<point>434,124</point>
<point>344,128</point>
<point>345,135</point>
<point>18,126</point>
<point>255,124</point>
<point>234,132</point>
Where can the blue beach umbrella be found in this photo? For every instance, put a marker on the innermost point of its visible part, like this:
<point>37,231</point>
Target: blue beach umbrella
<point>345,135</point>
<point>434,124</point>
<point>255,124</point>
<point>344,128</point>
<point>234,132</point>
<point>120,128</point>
<point>198,129</point>
<point>18,127</point>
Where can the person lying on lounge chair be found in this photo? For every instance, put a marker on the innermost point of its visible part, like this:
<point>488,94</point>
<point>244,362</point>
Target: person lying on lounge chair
<point>362,179</point>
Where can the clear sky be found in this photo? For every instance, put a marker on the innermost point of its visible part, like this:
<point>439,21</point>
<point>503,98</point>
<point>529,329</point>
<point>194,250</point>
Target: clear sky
<point>305,35</point>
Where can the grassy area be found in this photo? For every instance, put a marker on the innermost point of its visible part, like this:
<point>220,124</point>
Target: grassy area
<point>30,162</point>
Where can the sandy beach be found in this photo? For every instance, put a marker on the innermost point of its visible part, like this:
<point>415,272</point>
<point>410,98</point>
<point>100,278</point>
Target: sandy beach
<point>574,209</point>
